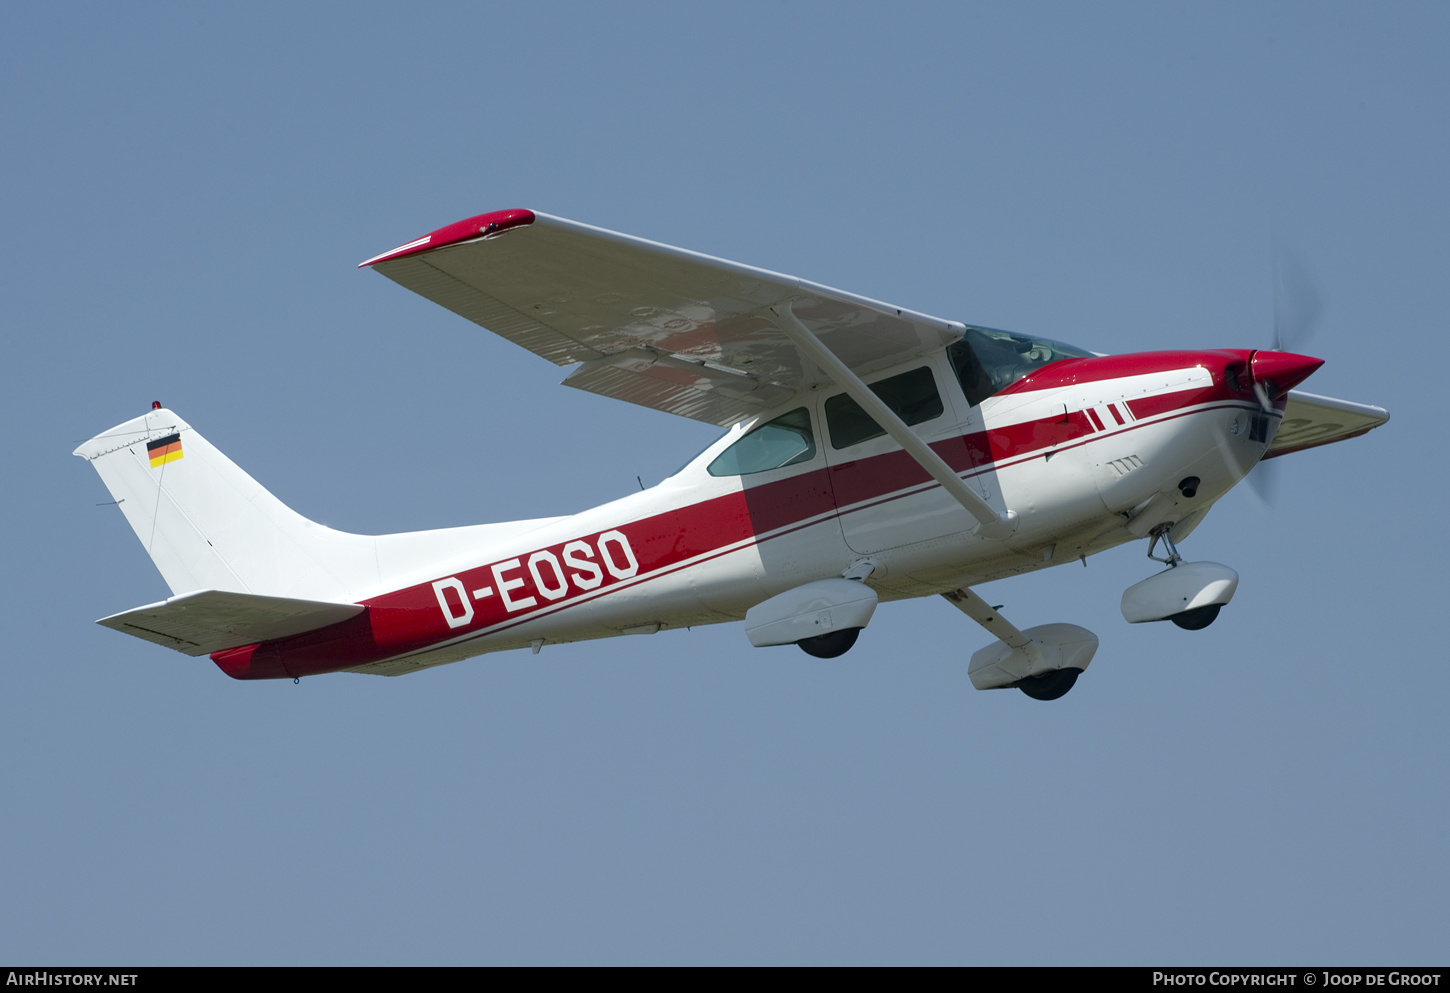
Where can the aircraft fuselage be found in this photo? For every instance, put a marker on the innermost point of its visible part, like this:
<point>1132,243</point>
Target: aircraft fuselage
<point>1088,452</point>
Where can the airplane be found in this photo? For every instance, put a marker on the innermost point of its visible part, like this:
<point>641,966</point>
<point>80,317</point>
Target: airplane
<point>871,453</point>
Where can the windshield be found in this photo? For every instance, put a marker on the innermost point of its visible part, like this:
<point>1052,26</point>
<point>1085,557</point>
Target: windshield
<point>987,361</point>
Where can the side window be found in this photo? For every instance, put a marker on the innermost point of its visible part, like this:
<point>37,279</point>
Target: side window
<point>912,396</point>
<point>784,441</point>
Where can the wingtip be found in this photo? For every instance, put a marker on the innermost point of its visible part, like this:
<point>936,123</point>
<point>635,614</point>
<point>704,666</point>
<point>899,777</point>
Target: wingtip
<point>480,226</point>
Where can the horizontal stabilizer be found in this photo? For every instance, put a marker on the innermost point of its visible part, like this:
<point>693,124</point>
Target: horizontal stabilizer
<point>212,620</point>
<point>1311,421</point>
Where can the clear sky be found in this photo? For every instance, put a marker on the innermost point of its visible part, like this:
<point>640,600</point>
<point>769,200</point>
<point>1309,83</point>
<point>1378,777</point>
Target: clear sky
<point>186,193</point>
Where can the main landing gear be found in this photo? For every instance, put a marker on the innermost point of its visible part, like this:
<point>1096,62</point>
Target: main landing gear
<point>824,618</point>
<point>1049,685</point>
<point>1043,662</point>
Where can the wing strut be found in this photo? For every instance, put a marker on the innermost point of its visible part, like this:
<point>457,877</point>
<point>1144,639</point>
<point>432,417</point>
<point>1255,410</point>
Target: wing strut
<point>1043,662</point>
<point>986,615</point>
<point>990,523</point>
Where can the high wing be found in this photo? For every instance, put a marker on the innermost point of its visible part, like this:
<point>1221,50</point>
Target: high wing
<point>657,326</point>
<point>1311,421</point>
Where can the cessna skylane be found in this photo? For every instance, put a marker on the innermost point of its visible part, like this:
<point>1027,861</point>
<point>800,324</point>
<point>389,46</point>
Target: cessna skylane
<point>872,453</point>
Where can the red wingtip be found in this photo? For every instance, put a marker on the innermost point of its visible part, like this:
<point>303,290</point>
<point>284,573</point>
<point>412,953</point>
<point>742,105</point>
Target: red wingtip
<point>1282,371</point>
<point>464,230</point>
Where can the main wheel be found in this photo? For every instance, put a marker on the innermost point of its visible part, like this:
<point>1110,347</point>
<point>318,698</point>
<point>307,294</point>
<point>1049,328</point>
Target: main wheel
<point>1198,618</point>
<point>1049,685</point>
<point>829,646</point>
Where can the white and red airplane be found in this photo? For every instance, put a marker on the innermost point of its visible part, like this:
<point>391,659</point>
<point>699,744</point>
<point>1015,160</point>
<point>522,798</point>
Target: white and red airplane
<point>872,453</point>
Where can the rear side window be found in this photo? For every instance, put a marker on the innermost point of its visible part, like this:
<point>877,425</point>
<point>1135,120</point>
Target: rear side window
<point>787,440</point>
<point>912,396</point>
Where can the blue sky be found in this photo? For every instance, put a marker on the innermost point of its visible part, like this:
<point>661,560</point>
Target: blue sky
<point>187,192</point>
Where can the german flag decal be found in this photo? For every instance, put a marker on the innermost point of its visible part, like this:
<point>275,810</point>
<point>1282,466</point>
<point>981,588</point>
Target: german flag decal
<point>164,450</point>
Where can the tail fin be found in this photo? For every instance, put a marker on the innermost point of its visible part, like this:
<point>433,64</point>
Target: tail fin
<point>209,526</point>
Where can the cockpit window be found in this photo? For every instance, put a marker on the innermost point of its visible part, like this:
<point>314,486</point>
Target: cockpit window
<point>784,441</point>
<point>988,361</point>
<point>912,396</point>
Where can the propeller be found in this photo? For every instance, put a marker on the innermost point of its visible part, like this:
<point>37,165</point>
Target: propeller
<point>1263,480</point>
<point>1297,303</point>
<point>1297,307</point>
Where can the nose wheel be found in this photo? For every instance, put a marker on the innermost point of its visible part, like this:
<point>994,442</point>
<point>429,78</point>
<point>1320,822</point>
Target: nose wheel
<point>1190,594</point>
<point>1198,618</point>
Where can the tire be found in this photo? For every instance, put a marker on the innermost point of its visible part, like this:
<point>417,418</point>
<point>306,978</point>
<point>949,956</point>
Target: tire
<point>1198,618</point>
<point>1049,685</point>
<point>830,646</point>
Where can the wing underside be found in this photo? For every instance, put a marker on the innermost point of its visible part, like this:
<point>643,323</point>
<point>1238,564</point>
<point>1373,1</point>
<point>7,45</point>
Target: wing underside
<point>654,325</point>
<point>693,335</point>
<point>1311,421</point>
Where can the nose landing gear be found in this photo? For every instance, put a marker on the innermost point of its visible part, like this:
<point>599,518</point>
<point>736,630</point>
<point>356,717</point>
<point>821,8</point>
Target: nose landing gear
<point>1190,594</point>
<point>1198,618</point>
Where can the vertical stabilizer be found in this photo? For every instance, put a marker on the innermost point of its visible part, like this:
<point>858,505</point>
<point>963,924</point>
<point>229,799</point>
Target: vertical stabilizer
<point>209,526</point>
